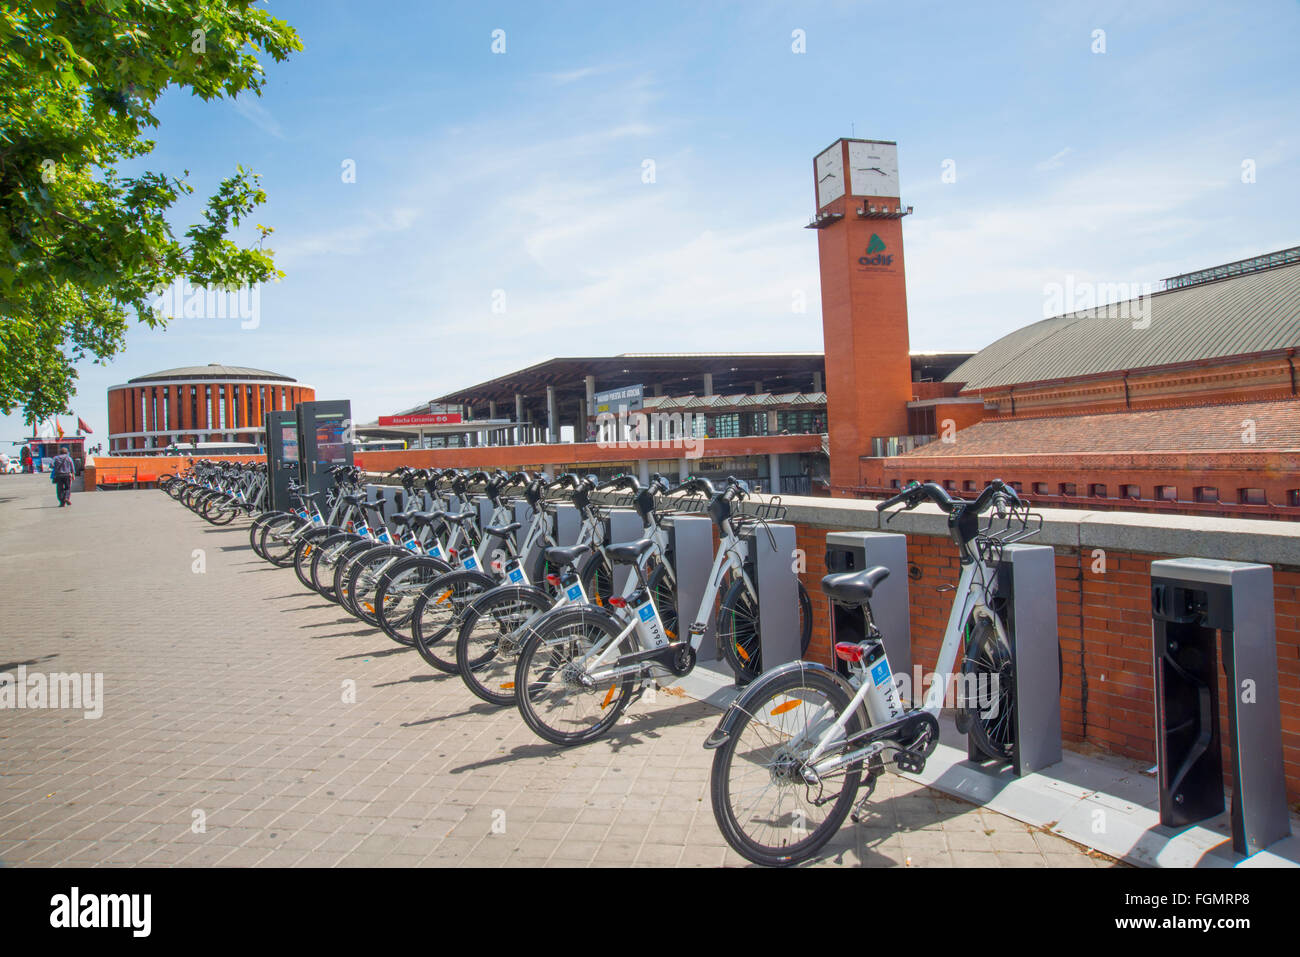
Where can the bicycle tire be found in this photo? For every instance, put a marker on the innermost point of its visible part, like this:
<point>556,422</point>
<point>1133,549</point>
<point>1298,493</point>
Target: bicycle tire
<point>408,576</point>
<point>305,550</point>
<point>438,613</point>
<point>532,697</point>
<point>487,670</point>
<point>991,724</point>
<point>342,565</point>
<point>358,597</point>
<point>793,686</point>
<point>737,630</point>
<point>275,541</point>
<point>328,553</point>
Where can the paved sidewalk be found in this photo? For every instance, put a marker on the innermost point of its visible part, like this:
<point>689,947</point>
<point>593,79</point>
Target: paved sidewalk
<point>225,737</point>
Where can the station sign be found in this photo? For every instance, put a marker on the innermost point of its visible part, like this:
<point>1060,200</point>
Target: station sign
<point>426,418</point>
<point>629,397</point>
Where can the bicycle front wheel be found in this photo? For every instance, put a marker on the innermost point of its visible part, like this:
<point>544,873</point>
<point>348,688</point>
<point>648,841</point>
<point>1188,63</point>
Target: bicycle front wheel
<point>762,803</point>
<point>989,699</point>
<point>738,634</point>
<point>558,697</point>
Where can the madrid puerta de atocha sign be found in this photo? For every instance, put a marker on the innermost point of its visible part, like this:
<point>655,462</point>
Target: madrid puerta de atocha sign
<point>629,398</point>
<point>877,255</point>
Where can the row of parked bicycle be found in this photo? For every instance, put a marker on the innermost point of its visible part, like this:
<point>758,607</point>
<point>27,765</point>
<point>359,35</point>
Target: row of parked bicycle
<point>529,623</point>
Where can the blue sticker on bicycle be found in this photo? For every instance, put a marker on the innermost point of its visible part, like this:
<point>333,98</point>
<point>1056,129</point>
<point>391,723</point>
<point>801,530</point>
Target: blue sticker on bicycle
<point>517,575</point>
<point>647,611</point>
<point>880,673</point>
<point>574,593</point>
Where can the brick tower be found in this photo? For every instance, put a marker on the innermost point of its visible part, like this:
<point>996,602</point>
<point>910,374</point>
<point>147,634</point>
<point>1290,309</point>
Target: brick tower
<point>864,300</point>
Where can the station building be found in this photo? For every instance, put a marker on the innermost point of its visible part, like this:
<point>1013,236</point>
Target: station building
<point>212,403</point>
<point>706,414</point>
<point>1185,400</point>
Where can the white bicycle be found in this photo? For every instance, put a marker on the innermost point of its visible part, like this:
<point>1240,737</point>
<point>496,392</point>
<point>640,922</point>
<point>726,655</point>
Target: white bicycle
<point>792,750</point>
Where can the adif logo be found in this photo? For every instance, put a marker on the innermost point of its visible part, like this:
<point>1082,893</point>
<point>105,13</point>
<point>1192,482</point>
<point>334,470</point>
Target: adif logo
<point>102,910</point>
<point>876,255</point>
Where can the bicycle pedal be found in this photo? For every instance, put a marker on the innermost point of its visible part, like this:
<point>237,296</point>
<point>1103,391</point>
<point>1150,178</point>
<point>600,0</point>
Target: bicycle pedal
<point>910,761</point>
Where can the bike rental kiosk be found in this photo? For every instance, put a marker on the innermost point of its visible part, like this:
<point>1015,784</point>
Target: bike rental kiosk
<point>281,430</point>
<point>324,440</point>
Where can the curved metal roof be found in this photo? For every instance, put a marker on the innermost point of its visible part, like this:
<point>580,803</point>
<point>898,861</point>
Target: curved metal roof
<point>213,370</point>
<point>1252,313</point>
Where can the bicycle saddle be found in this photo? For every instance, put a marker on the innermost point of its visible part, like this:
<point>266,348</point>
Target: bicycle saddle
<point>626,553</point>
<point>501,531</point>
<point>460,517</point>
<point>854,588</point>
<point>563,555</point>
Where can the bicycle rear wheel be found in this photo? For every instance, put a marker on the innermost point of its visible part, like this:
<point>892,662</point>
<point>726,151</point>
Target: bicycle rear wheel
<point>761,802</point>
<point>438,613</point>
<point>556,696</point>
<point>491,634</point>
<point>398,590</point>
<point>275,541</point>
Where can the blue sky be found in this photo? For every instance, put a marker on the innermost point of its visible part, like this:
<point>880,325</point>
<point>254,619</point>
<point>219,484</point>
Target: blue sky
<point>517,177</point>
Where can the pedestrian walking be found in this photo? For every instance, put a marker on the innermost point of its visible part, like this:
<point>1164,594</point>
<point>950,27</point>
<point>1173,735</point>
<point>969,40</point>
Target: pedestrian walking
<point>62,472</point>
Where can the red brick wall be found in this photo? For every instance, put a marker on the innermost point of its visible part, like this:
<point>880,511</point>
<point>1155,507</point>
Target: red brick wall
<point>1273,471</point>
<point>1245,379</point>
<point>1104,626</point>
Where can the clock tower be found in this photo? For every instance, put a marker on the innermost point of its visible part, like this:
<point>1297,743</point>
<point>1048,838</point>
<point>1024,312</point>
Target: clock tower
<point>859,225</point>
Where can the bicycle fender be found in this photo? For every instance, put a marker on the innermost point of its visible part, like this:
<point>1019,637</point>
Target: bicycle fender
<point>742,704</point>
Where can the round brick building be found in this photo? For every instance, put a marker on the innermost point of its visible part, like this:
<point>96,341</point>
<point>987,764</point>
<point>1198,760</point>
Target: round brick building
<point>212,403</point>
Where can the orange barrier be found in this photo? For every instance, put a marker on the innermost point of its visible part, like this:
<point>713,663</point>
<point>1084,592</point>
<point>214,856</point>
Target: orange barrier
<point>113,471</point>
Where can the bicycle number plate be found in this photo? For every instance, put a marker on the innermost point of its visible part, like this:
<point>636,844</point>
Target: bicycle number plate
<point>470,562</point>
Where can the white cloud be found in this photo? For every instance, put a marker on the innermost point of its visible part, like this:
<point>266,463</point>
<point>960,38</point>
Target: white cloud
<point>1056,160</point>
<point>248,107</point>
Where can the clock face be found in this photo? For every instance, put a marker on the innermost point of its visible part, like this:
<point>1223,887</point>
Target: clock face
<point>830,175</point>
<point>873,169</point>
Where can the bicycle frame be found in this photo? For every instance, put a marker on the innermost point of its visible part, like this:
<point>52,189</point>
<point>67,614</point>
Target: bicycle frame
<point>973,587</point>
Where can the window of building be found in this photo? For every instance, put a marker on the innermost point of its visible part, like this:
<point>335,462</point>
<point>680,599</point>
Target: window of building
<point>1130,491</point>
<point>921,421</point>
<point>756,423</point>
<point>724,426</point>
<point>1167,493</point>
<point>797,423</point>
<point>194,407</point>
<point>1251,496</point>
<point>893,483</point>
<point>1067,488</point>
<point>1018,486</point>
<point>1040,488</point>
<point>950,485</point>
<point>1097,490</point>
<point>1293,497</point>
<point>1206,493</point>
<point>968,485</point>
<point>221,407</point>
